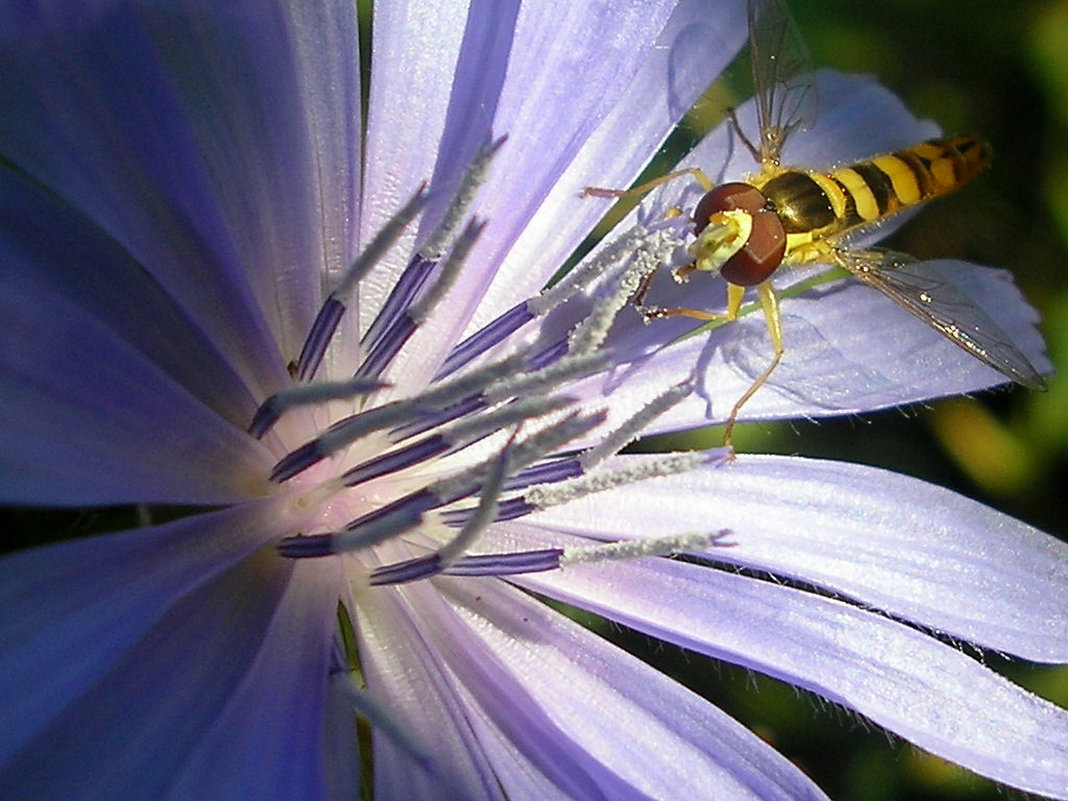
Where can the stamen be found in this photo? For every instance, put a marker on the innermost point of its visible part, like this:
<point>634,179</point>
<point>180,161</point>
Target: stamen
<point>424,566</point>
<point>479,565</point>
<point>473,178</point>
<point>326,322</point>
<point>382,352</point>
<point>524,453</point>
<point>545,559</point>
<point>542,497</point>
<point>632,428</point>
<point>639,548</point>
<point>484,339</point>
<point>272,409</point>
<point>515,318</point>
<point>407,513</point>
<point>545,473</point>
<point>379,526</point>
<point>551,354</point>
<point>453,439</point>
<point>510,509</point>
<point>380,717</point>
<point>483,516</point>
<point>504,564</point>
<point>457,398</point>
<point>350,429</point>
<point>422,264</point>
<point>631,241</point>
<point>654,250</point>
<point>404,292</point>
<point>563,372</point>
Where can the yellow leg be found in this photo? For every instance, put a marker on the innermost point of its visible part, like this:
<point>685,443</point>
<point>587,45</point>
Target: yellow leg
<point>735,296</point>
<point>696,172</point>
<point>770,303</point>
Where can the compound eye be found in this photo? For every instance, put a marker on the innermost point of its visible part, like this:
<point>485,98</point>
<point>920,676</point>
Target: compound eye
<point>727,197</point>
<point>762,253</point>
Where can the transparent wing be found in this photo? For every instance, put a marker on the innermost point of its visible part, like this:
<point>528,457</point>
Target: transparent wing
<point>919,287</point>
<point>782,77</point>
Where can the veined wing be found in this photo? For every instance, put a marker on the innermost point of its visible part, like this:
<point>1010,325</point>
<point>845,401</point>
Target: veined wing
<point>782,76</point>
<point>931,296</point>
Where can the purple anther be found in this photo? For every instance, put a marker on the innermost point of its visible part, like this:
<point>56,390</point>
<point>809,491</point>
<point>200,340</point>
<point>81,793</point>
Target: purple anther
<point>400,299</point>
<point>297,461</point>
<point>414,505</point>
<point>505,564</point>
<point>544,473</point>
<point>547,356</point>
<point>387,347</point>
<point>403,572</point>
<point>311,355</point>
<point>437,418</point>
<point>301,547</point>
<point>484,339</point>
<point>266,416</point>
<point>396,460</point>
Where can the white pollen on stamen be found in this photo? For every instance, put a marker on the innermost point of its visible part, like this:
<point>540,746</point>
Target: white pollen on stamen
<point>632,428</point>
<point>473,178</point>
<point>498,419</point>
<point>400,412</point>
<point>484,513</point>
<point>654,249</point>
<point>521,454</point>
<point>449,269</point>
<point>567,369</point>
<point>546,495</point>
<point>473,382</point>
<point>576,280</point>
<point>378,246</point>
<point>322,391</point>
<point>636,549</point>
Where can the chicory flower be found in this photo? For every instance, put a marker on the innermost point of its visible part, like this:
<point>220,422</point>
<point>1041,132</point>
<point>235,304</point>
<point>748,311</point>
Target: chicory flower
<point>225,288</point>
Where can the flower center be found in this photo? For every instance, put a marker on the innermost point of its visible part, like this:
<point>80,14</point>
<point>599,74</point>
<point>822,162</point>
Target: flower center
<point>479,444</point>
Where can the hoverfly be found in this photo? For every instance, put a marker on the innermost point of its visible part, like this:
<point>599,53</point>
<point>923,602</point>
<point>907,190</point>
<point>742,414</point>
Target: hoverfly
<point>787,216</point>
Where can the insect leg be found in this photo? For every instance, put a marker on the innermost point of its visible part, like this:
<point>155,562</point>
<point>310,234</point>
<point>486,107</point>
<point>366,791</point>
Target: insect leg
<point>770,302</point>
<point>735,294</point>
<point>737,128</point>
<point>696,172</point>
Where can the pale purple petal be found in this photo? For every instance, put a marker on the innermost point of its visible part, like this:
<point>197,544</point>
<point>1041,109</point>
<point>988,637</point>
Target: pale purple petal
<point>69,439</point>
<point>267,740</point>
<point>202,158</point>
<point>659,737</point>
<point>930,693</point>
<point>179,623</point>
<point>426,700</point>
<point>51,250</point>
<point>413,59</point>
<point>526,680</point>
<point>837,360</point>
<point>593,108</point>
<point>913,549</point>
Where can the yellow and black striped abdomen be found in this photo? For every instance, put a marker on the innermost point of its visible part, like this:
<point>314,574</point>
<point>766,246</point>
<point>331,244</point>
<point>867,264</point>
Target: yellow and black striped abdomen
<point>817,205</point>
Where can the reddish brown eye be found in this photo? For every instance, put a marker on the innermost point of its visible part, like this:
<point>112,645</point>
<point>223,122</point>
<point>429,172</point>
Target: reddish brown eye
<point>727,197</point>
<point>763,252</point>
